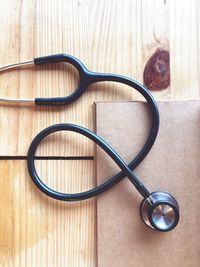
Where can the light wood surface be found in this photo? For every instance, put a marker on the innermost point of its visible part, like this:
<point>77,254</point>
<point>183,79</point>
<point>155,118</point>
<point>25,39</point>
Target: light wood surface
<point>107,36</point>
<point>36,231</point>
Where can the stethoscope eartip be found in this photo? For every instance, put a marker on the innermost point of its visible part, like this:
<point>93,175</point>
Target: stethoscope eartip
<point>160,211</point>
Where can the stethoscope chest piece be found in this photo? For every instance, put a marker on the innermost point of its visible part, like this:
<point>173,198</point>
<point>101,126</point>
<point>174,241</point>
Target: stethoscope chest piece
<point>160,211</point>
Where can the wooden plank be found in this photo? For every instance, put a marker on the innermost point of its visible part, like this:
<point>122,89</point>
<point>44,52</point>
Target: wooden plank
<point>40,31</point>
<point>184,49</point>
<point>153,35</point>
<point>107,39</point>
<point>38,231</point>
<point>109,36</point>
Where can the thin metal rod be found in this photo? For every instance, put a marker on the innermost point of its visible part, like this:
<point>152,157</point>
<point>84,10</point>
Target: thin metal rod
<point>14,66</point>
<point>15,101</point>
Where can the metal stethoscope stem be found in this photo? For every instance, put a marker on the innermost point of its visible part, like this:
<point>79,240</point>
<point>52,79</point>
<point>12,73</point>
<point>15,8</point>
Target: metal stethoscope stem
<point>16,66</point>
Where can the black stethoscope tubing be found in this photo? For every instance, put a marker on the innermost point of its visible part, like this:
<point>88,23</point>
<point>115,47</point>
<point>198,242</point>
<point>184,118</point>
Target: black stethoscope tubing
<point>159,210</point>
<point>87,78</point>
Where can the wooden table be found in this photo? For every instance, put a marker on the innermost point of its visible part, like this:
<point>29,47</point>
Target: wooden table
<point>107,36</point>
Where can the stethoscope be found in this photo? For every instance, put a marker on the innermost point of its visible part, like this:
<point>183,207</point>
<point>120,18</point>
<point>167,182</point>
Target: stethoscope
<point>159,210</point>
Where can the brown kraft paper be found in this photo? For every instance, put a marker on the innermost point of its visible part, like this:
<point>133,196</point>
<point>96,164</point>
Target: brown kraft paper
<point>172,166</point>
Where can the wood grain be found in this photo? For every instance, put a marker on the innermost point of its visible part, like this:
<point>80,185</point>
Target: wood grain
<point>38,231</point>
<point>107,36</point>
<point>184,49</point>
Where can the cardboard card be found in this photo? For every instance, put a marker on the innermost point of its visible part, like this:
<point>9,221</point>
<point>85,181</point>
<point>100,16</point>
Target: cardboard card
<point>173,165</point>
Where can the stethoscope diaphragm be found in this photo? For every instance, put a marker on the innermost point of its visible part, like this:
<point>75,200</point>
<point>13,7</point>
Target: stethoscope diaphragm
<point>160,211</point>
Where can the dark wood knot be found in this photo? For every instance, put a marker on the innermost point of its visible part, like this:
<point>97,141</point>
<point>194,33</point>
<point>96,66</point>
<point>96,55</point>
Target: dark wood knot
<point>156,74</point>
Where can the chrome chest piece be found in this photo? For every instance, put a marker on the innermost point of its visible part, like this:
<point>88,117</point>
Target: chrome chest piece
<point>160,211</point>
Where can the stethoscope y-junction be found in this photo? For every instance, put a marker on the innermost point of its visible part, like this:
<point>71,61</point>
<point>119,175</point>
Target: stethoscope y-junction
<point>159,210</point>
